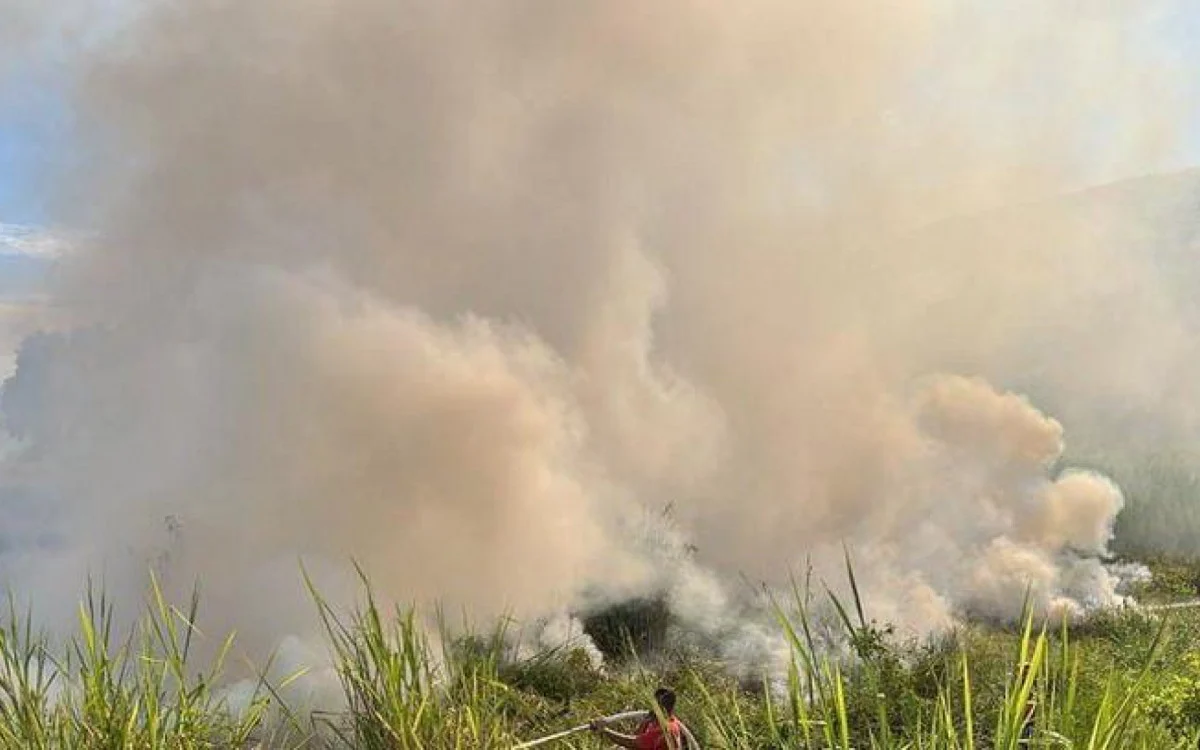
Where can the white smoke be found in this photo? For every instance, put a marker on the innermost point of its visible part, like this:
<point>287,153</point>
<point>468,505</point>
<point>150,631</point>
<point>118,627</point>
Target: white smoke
<point>468,292</point>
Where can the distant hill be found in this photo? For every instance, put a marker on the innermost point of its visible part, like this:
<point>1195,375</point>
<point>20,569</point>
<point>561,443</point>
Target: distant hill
<point>1110,339</point>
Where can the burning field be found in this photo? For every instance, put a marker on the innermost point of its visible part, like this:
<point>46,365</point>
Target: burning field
<point>556,311</point>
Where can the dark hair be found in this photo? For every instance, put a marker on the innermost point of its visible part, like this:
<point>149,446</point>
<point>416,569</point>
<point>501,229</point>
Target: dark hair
<point>666,700</point>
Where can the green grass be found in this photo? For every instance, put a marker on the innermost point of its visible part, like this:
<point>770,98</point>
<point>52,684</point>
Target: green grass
<point>1122,679</point>
<point>142,691</point>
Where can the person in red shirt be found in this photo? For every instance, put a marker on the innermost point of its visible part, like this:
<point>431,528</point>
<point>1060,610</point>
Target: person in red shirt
<point>650,734</point>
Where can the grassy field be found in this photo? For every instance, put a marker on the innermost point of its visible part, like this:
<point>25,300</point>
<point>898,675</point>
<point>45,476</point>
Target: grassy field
<point>1122,679</point>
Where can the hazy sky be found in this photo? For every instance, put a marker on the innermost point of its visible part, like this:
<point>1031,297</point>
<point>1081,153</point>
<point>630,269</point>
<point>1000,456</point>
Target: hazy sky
<point>35,125</point>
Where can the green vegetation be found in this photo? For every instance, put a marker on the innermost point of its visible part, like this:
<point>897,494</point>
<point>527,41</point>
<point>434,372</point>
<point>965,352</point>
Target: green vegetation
<point>1162,500</point>
<point>100,692</point>
<point>1121,679</point>
<point>1174,579</point>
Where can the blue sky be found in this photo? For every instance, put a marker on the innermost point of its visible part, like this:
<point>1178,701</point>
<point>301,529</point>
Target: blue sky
<point>34,141</point>
<point>1182,29</point>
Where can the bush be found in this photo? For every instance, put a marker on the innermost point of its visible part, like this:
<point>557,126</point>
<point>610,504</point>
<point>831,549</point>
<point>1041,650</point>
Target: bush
<point>637,628</point>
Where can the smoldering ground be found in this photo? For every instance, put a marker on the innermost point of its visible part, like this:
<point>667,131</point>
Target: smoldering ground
<point>470,291</point>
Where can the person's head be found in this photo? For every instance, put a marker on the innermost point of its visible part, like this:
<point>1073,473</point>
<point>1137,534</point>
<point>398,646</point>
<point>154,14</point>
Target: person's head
<point>665,697</point>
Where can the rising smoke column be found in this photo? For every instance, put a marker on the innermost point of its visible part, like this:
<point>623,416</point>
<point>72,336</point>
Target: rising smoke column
<point>470,291</point>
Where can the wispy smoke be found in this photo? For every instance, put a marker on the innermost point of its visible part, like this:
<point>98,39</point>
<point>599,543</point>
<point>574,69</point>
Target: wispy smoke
<point>470,291</point>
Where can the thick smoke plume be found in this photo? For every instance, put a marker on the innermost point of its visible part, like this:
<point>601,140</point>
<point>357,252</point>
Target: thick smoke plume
<point>471,291</point>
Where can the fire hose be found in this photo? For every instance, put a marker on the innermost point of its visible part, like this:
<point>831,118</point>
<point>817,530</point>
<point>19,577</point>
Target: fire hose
<point>691,741</point>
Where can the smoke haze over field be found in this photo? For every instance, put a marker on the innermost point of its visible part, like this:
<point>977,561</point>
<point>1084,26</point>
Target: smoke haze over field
<point>470,291</point>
